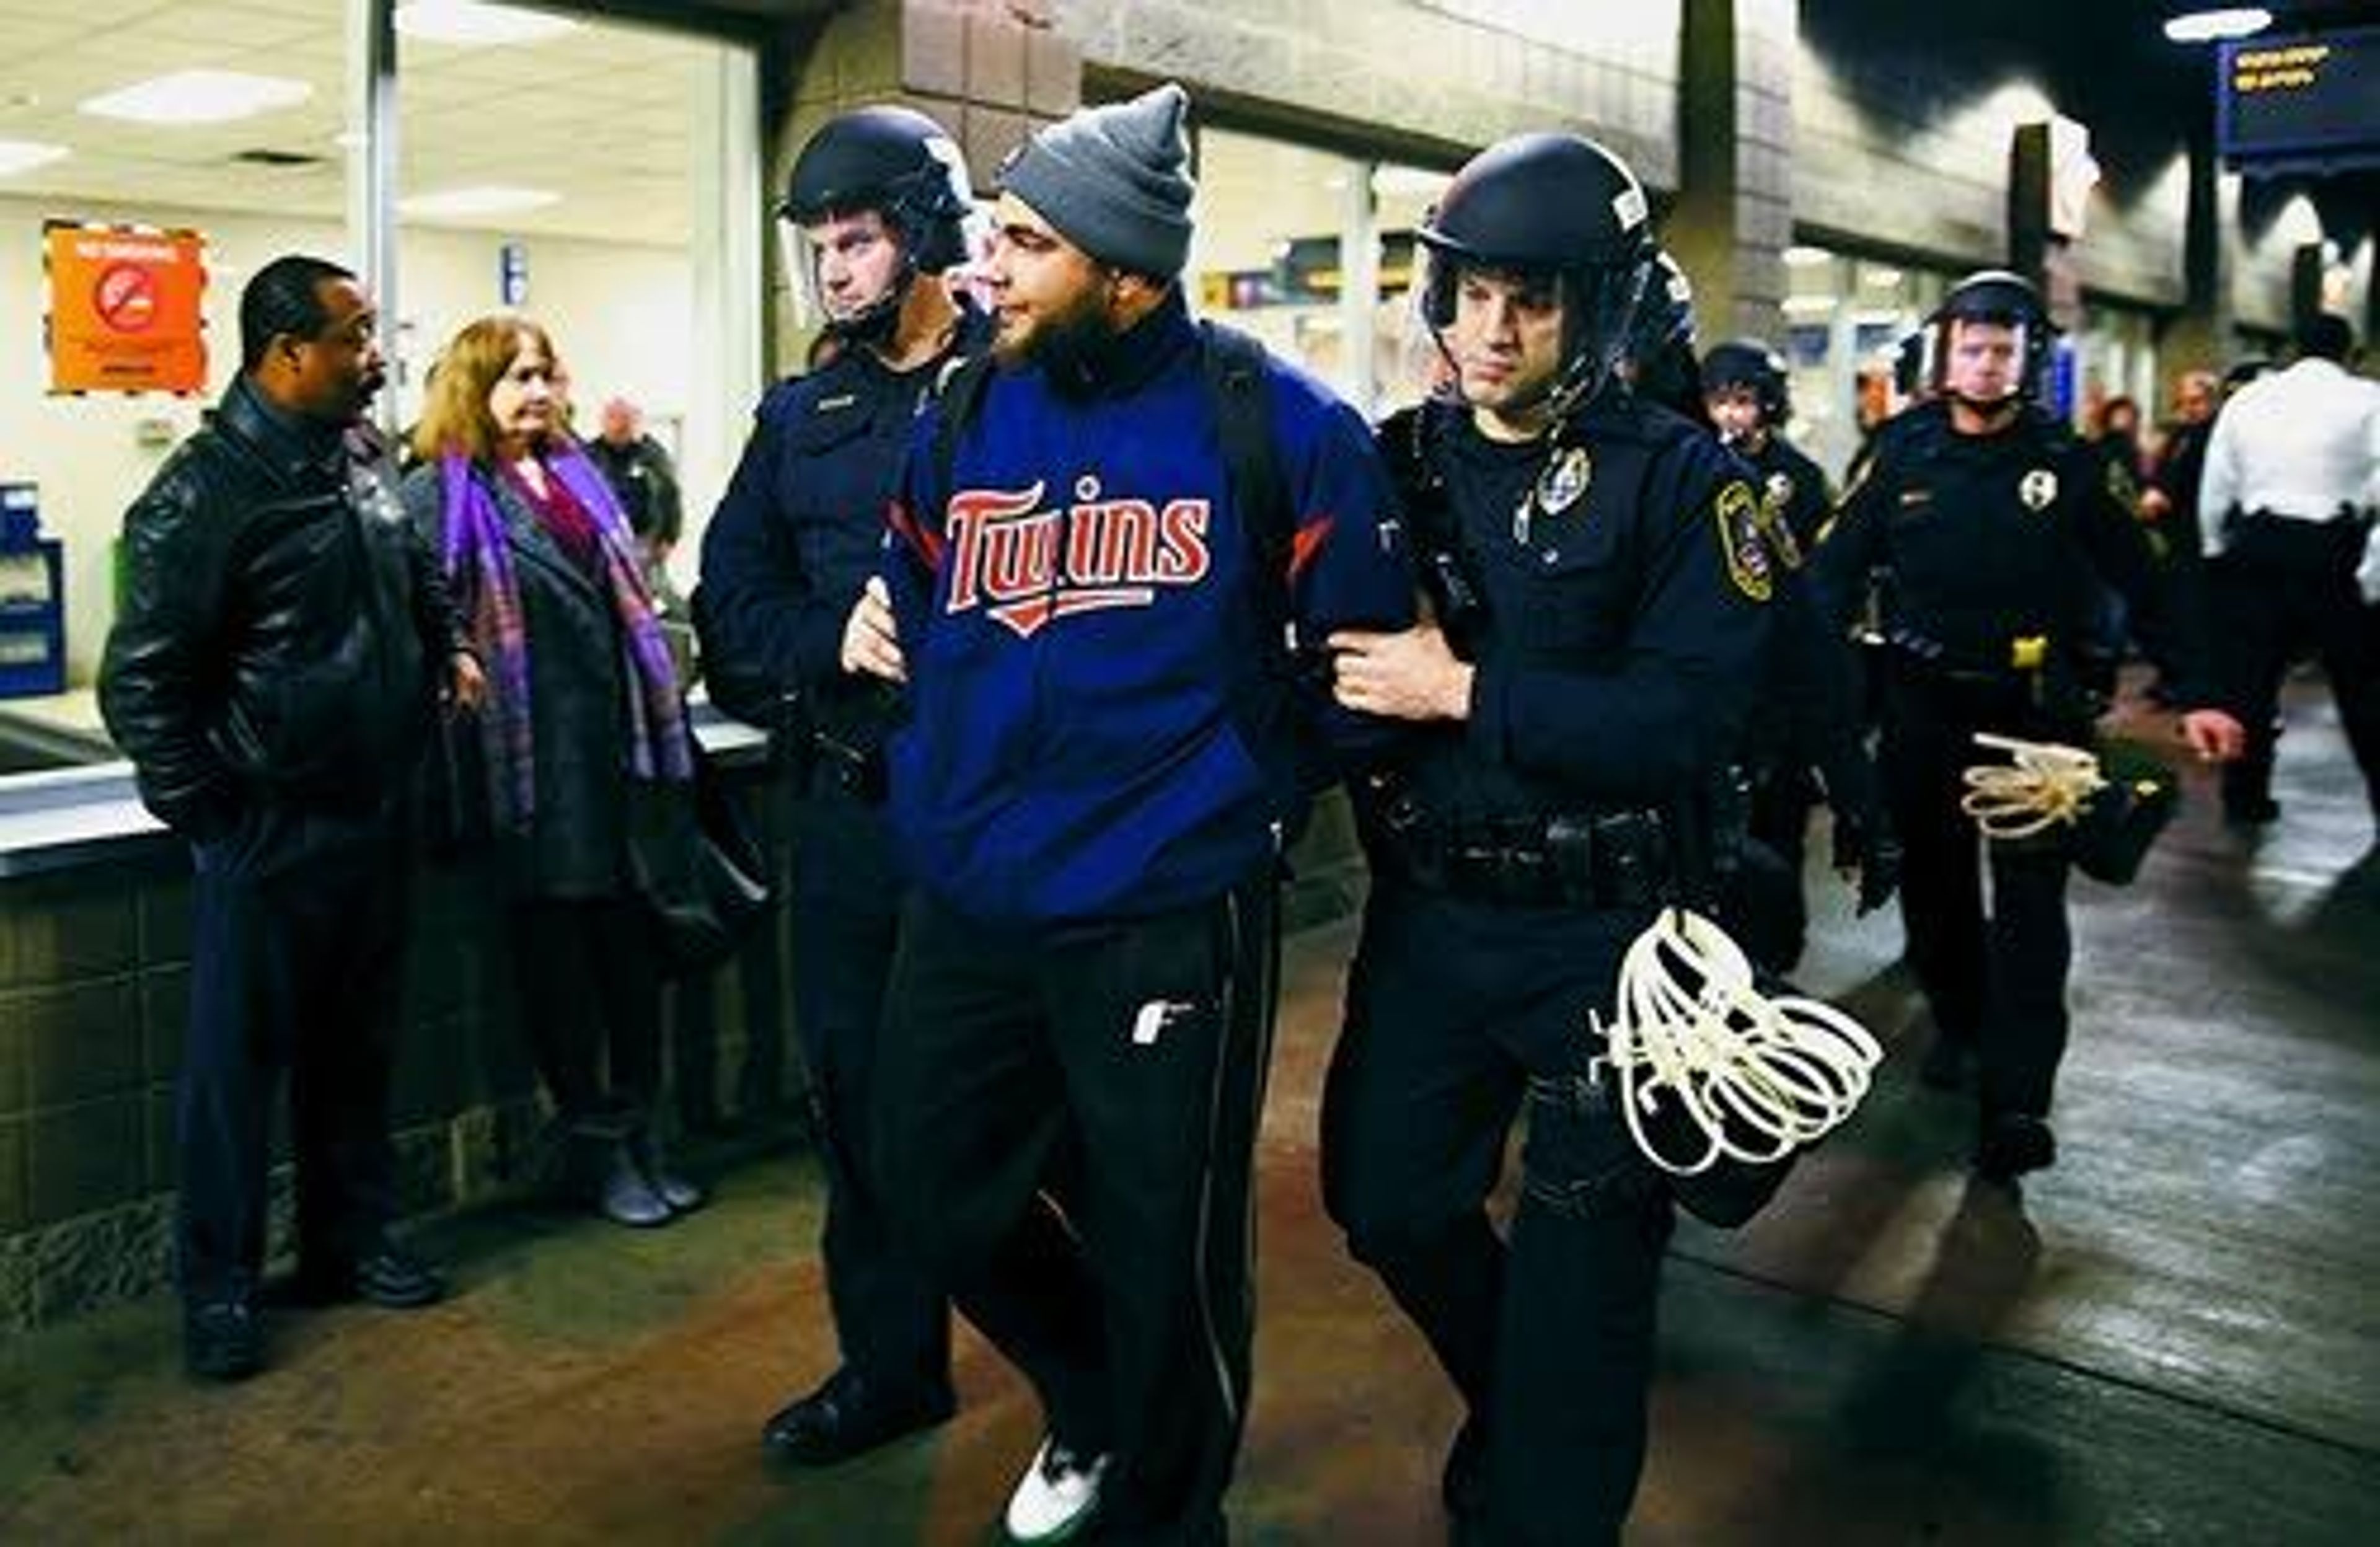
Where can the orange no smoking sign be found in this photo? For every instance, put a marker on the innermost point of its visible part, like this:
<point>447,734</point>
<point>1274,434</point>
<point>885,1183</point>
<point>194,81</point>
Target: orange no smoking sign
<point>125,307</point>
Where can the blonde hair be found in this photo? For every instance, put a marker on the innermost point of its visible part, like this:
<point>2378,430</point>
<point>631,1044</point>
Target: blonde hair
<point>455,415</point>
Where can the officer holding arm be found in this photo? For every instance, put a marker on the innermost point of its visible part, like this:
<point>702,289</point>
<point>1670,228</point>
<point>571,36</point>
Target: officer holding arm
<point>878,196</point>
<point>1601,596</point>
<point>2000,529</point>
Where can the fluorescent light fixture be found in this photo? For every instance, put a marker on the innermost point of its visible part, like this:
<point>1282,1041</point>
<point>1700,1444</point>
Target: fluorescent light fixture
<point>2227,21</point>
<point>1393,181</point>
<point>23,155</point>
<point>489,198</point>
<point>198,97</point>
<point>1809,305</point>
<point>1806,257</point>
<point>1880,276</point>
<point>471,24</point>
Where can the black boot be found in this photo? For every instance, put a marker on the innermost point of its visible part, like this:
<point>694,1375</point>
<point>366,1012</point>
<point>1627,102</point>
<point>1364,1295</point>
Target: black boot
<point>682,1196</point>
<point>222,1338</point>
<point>2014,1143</point>
<point>604,1172</point>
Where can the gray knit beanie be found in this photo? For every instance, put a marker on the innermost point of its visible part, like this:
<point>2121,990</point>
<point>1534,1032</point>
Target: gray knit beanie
<point>1112,181</point>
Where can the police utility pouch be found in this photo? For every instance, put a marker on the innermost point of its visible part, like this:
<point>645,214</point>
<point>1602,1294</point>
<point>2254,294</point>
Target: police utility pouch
<point>2112,835</point>
<point>702,876</point>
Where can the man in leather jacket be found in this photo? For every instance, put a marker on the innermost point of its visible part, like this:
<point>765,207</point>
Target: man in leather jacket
<point>278,660</point>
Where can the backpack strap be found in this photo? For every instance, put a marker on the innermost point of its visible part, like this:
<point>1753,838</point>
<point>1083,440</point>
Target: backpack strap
<point>959,393</point>
<point>1234,364</point>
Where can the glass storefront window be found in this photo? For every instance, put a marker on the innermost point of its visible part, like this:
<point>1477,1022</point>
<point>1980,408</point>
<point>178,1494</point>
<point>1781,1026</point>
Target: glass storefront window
<point>2115,356</point>
<point>1845,318</point>
<point>631,227</point>
<point>1278,223</point>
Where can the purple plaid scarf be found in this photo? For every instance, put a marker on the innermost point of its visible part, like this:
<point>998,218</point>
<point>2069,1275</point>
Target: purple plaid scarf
<point>479,564</point>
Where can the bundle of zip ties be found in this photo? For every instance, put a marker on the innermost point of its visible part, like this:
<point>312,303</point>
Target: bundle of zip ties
<point>2044,783</point>
<point>1709,1061</point>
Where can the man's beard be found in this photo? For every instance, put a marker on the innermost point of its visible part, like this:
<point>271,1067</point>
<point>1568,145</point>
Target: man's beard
<point>1070,346</point>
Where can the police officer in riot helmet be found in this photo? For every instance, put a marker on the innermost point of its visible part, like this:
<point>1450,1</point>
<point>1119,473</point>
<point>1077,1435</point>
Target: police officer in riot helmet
<point>1599,590</point>
<point>1980,505</point>
<point>887,174</point>
<point>1661,366</point>
<point>1807,737</point>
<point>1745,393</point>
<point>878,199</point>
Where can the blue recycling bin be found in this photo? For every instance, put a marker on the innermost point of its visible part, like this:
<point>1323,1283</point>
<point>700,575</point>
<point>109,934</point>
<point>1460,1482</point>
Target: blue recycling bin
<point>33,598</point>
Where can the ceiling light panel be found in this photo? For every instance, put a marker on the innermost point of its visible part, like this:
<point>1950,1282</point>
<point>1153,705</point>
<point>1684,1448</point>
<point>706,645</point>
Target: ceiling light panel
<point>2210,26</point>
<point>485,199</point>
<point>199,97</point>
<point>23,155</point>
<point>469,24</point>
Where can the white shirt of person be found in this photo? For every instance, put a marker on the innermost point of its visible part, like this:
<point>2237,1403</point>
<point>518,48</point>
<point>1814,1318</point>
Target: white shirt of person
<point>2302,443</point>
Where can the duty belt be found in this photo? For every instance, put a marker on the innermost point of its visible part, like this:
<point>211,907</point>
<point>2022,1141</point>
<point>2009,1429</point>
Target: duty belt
<point>2022,655</point>
<point>1593,860</point>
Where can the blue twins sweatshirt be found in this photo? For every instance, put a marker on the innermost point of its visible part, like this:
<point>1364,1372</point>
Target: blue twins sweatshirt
<point>1099,726</point>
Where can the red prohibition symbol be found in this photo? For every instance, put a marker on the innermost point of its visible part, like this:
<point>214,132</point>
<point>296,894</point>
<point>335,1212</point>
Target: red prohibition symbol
<point>124,295</point>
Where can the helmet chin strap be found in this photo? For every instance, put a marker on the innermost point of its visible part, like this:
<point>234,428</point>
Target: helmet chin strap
<point>875,322</point>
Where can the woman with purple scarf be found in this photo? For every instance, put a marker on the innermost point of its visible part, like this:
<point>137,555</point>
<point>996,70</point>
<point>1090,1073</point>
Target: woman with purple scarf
<point>581,703</point>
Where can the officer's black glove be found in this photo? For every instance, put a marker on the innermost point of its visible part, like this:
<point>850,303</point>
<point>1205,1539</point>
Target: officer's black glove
<point>1866,844</point>
<point>1879,873</point>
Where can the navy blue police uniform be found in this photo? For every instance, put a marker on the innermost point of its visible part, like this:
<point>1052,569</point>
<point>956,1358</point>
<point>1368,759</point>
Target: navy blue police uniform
<point>1998,547</point>
<point>1615,617</point>
<point>1805,738</point>
<point>798,535</point>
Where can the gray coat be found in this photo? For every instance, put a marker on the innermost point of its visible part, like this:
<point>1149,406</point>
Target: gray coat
<point>577,843</point>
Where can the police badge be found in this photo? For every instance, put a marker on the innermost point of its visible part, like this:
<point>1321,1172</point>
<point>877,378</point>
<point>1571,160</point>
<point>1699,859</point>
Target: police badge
<point>1563,480</point>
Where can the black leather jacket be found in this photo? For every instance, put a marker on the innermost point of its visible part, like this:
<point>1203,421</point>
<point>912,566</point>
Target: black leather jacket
<point>282,632</point>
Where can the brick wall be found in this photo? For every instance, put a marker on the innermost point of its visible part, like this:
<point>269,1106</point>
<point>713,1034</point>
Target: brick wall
<point>95,982</point>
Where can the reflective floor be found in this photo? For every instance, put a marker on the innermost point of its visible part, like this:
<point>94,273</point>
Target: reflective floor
<point>2174,1337</point>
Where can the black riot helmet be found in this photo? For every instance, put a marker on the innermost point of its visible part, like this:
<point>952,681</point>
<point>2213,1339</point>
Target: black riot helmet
<point>904,166</point>
<point>1758,369</point>
<point>1557,206</point>
<point>2000,297</point>
<point>1661,365</point>
<point>1665,319</point>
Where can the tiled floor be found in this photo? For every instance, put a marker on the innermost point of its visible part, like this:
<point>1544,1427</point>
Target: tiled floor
<point>2173,1337</point>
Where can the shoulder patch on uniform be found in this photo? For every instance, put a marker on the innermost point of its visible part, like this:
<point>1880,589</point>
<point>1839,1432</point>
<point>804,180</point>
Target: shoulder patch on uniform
<point>1736,511</point>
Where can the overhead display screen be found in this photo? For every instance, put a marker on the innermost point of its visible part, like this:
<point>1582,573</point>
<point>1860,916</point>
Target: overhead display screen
<point>2314,99</point>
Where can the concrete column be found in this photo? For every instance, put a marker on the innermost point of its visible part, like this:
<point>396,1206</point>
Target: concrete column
<point>2306,268</point>
<point>1734,215</point>
<point>2201,337</point>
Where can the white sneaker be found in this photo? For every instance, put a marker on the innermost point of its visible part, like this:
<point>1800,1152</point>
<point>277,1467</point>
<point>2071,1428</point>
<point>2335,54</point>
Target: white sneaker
<point>1057,1495</point>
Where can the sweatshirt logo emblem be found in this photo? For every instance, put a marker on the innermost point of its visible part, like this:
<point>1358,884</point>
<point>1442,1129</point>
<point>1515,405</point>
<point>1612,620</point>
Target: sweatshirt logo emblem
<point>1024,565</point>
<point>2037,488</point>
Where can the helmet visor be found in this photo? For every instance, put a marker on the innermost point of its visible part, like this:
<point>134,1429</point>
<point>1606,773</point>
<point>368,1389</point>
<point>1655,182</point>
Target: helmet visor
<point>1982,359</point>
<point>844,272</point>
